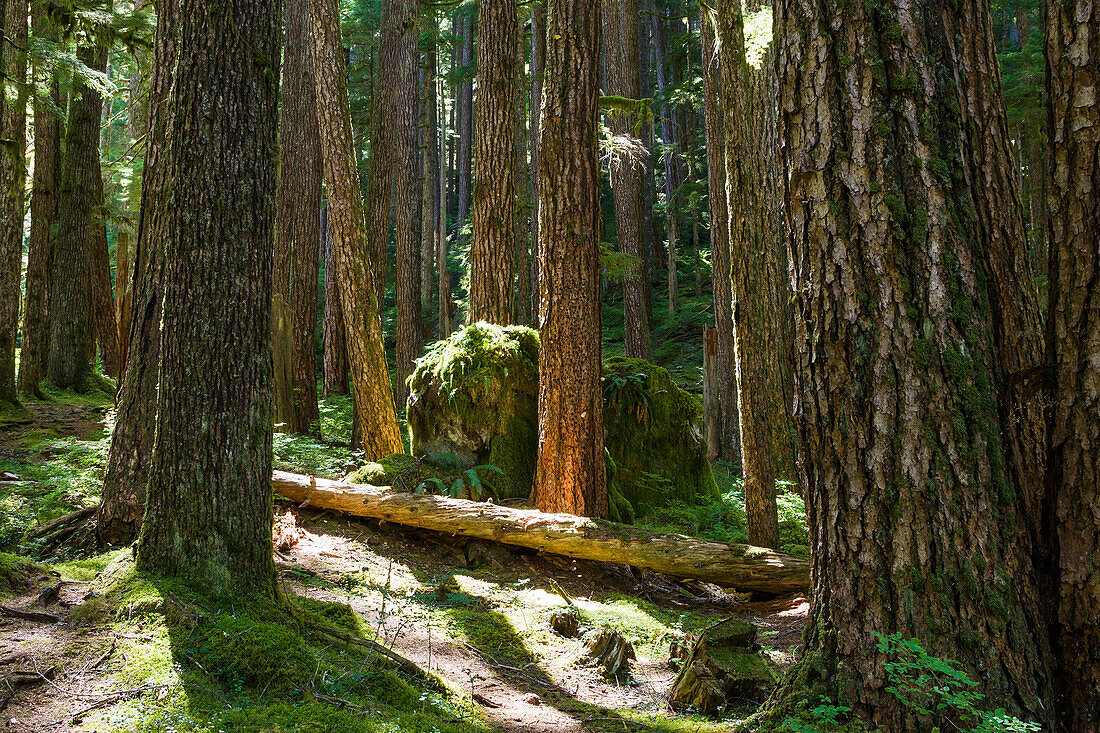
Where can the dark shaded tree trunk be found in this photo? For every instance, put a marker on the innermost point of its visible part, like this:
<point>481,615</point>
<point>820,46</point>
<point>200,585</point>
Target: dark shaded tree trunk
<point>571,473</point>
<point>138,114</point>
<point>464,121</point>
<point>1073,340</point>
<point>748,254</point>
<point>492,250</point>
<point>918,512</point>
<point>407,195</point>
<point>335,346</point>
<point>128,464</point>
<point>297,233</point>
<point>430,196</point>
<point>47,181</point>
<point>538,55</point>
<point>13,176</point>
<point>620,48</point>
<point>729,440</point>
<point>356,269</point>
<point>522,306</point>
<point>209,507</point>
<point>71,315</point>
<point>103,300</point>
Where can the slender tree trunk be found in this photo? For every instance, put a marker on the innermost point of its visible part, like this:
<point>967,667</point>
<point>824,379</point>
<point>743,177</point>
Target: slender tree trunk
<point>751,317</point>
<point>335,346</point>
<point>103,301</point>
<point>918,515</point>
<point>430,199</point>
<point>1073,338</point>
<point>571,474</point>
<point>297,233</point>
<point>209,508</point>
<point>729,429</point>
<point>138,117</point>
<point>47,181</point>
<point>620,48</point>
<point>407,193</point>
<point>522,311</point>
<point>126,477</point>
<point>71,314</point>
<point>465,113</point>
<point>356,268</point>
<point>13,175</point>
<point>538,55</point>
<point>492,251</point>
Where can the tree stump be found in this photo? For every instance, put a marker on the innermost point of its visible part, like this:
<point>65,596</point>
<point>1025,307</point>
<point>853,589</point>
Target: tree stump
<point>723,666</point>
<point>609,650</point>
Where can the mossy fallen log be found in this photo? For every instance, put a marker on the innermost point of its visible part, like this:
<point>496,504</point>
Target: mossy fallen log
<point>739,566</point>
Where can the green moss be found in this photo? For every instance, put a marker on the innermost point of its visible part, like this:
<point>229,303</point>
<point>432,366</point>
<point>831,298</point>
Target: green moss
<point>15,571</point>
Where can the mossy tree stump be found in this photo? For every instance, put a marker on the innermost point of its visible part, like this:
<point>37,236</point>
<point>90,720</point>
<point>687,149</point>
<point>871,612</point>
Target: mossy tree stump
<point>723,667</point>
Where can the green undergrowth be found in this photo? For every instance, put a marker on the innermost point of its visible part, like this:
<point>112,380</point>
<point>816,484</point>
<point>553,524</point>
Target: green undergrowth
<point>246,664</point>
<point>15,571</point>
<point>724,520</point>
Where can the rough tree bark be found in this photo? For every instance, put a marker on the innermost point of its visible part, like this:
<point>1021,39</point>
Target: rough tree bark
<point>918,515</point>
<point>126,477</point>
<point>492,250</point>
<point>571,473</point>
<point>464,120</point>
<point>430,198</point>
<point>13,174</point>
<point>620,48</point>
<point>71,324</point>
<point>729,440</point>
<point>522,305</point>
<point>297,233</point>
<point>335,346</point>
<point>356,268</point>
<point>1073,338</point>
<point>748,246</point>
<point>538,55</point>
<point>47,180</point>
<point>209,505</point>
<point>103,300</point>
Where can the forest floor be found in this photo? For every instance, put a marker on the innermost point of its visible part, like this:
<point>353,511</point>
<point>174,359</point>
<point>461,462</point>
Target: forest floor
<point>476,615</point>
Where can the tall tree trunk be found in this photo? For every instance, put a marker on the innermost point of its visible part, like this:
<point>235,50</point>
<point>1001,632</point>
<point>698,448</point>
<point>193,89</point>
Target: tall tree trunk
<point>1073,338</point>
<point>209,507</point>
<point>71,315</point>
<point>492,251</point>
<point>620,48</point>
<point>729,428</point>
<point>137,117</point>
<point>335,345</point>
<point>297,233</point>
<point>47,180</point>
<point>430,209</point>
<point>126,477</point>
<point>571,473</point>
<point>522,310</point>
<point>752,320</point>
<point>538,55</point>
<point>407,194</point>
<point>356,268</point>
<point>13,176</point>
<point>918,515</point>
<point>464,121</point>
<point>103,300</point>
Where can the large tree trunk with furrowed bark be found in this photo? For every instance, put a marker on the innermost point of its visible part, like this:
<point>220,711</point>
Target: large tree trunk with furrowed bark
<point>740,566</point>
<point>13,176</point>
<point>918,509</point>
<point>356,267</point>
<point>492,250</point>
<point>570,474</point>
<point>335,346</point>
<point>1073,337</point>
<point>208,509</point>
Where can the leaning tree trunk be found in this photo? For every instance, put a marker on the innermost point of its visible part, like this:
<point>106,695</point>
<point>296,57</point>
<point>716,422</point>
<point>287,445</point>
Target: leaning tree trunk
<point>335,345</point>
<point>620,48</point>
<point>44,188</point>
<point>13,173</point>
<point>126,477</point>
<point>71,324</point>
<point>356,270</point>
<point>297,233</point>
<point>729,439</point>
<point>492,250</point>
<point>570,473</point>
<point>209,499</point>
<point>407,195</point>
<point>918,515</point>
<point>1073,338</point>
<point>748,245</point>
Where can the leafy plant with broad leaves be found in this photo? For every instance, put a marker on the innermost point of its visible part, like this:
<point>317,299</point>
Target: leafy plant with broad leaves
<point>468,484</point>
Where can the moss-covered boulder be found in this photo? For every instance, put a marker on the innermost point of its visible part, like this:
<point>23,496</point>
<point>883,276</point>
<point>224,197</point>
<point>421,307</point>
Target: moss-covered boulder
<point>474,401</point>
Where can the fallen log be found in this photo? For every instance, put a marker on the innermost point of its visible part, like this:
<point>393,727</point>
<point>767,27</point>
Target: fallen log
<point>739,566</point>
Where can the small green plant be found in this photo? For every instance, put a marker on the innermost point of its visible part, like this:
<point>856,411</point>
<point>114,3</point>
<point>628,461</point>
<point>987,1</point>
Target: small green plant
<point>628,393</point>
<point>825,716</point>
<point>467,485</point>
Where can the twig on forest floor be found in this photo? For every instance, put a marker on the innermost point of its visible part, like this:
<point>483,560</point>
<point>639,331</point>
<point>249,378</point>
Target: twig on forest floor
<point>405,665</point>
